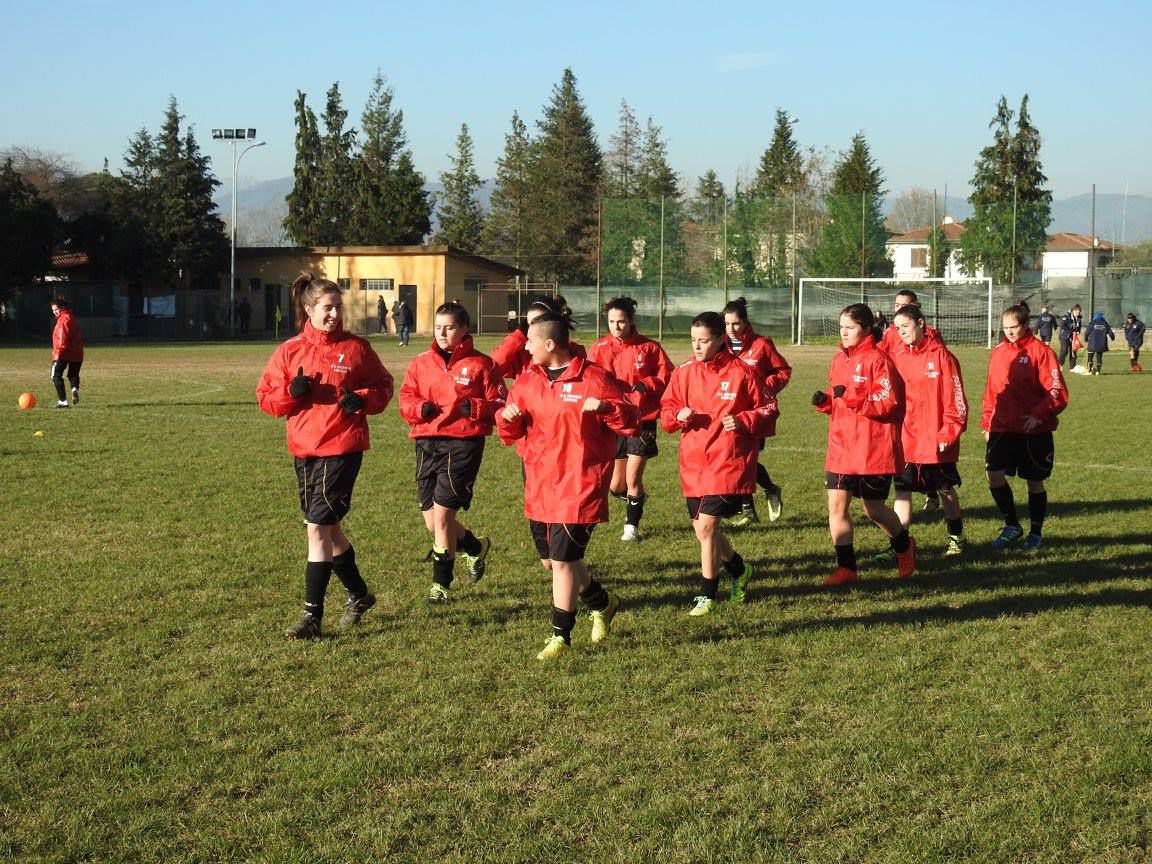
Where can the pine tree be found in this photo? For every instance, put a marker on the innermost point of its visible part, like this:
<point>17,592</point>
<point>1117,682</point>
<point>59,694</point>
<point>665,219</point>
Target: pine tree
<point>461,217</point>
<point>781,170</point>
<point>656,178</point>
<point>703,231</point>
<point>302,222</point>
<point>622,161</point>
<point>507,224</point>
<point>1033,201</point>
<point>336,186</point>
<point>852,240</point>
<point>27,230</point>
<point>707,204</point>
<point>408,210</point>
<point>564,181</point>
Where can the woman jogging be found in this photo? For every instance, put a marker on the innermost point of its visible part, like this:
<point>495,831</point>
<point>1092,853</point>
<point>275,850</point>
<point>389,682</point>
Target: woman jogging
<point>326,381</point>
<point>720,408</point>
<point>641,365</point>
<point>1024,393</point>
<point>773,370</point>
<point>450,397</point>
<point>511,356</point>
<point>865,404</point>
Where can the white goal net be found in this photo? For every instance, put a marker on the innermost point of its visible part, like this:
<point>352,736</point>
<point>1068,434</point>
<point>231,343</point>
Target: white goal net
<point>965,311</point>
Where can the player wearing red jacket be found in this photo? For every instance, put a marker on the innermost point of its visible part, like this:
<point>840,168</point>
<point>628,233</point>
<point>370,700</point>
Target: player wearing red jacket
<point>326,381</point>
<point>450,396</point>
<point>511,355</point>
<point>1023,395</point>
<point>760,353</point>
<point>568,413</point>
<point>719,407</point>
<point>67,352</point>
<point>865,403</point>
<point>643,368</point>
<point>935,416</point>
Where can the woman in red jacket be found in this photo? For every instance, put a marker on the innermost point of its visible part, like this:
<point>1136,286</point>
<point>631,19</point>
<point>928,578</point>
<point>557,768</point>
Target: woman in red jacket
<point>642,366</point>
<point>935,416</point>
<point>719,407</point>
<point>865,404</point>
<point>326,382</point>
<point>450,397</point>
<point>567,413</point>
<point>1023,395</point>
<point>760,353</point>
<point>67,352</point>
<point>511,355</point>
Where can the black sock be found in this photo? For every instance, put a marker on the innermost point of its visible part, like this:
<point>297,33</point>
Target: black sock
<point>344,566</point>
<point>562,624</point>
<point>748,504</point>
<point>1006,504</point>
<point>708,587</point>
<point>635,509</point>
<point>470,544</point>
<point>316,577</point>
<point>735,564</point>
<point>442,566</point>
<point>762,479</point>
<point>1037,510</point>
<point>955,527</point>
<point>595,597</point>
<point>900,541</point>
<point>846,556</point>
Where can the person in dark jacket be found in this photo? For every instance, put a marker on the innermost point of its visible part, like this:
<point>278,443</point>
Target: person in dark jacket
<point>404,320</point>
<point>1045,325</point>
<point>1096,336</point>
<point>1071,324</point>
<point>1134,336</point>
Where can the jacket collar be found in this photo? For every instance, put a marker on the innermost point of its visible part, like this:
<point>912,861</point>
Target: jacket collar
<point>462,350</point>
<point>720,359</point>
<point>319,337</point>
<point>574,369</point>
<point>868,343</point>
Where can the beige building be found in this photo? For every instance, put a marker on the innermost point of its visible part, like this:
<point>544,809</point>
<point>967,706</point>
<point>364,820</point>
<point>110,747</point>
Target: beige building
<point>422,276</point>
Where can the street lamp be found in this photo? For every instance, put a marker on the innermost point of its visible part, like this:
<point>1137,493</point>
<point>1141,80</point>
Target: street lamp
<point>232,136</point>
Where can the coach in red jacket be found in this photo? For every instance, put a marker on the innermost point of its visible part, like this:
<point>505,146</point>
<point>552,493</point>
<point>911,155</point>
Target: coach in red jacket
<point>568,413</point>
<point>67,352</point>
<point>450,397</point>
<point>935,416</point>
<point>1023,395</point>
<point>721,410</point>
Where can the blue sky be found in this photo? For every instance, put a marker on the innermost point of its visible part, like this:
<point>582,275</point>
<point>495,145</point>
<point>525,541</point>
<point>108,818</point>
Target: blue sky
<point>920,79</point>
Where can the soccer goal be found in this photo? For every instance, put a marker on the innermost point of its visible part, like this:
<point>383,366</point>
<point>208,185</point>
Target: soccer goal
<point>965,311</point>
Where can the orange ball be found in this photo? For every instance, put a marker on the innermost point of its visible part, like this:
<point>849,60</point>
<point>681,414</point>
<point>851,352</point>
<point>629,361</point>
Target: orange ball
<point>26,401</point>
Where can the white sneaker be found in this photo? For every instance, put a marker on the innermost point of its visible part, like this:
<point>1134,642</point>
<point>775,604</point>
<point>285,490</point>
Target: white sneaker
<point>630,535</point>
<point>1078,370</point>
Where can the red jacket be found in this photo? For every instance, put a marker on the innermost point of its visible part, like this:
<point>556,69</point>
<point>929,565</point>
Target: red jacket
<point>890,341</point>
<point>714,461</point>
<point>67,340</point>
<point>760,353</point>
<point>568,455</point>
<point>864,430</point>
<point>512,358</point>
<point>936,410</point>
<point>317,425</point>
<point>468,376</point>
<point>635,359</point>
<point>1024,379</point>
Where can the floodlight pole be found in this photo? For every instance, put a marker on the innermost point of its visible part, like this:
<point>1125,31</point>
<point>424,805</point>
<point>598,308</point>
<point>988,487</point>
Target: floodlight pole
<point>232,275</point>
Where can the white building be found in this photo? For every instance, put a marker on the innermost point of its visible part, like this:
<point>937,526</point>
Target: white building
<point>1069,254</point>
<point>909,252</point>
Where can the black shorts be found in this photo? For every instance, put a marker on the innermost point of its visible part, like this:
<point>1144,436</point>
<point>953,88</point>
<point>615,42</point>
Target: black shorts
<point>446,470</point>
<point>643,444</point>
<point>927,477</point>
<point>720,506</point>
<point>1029,457</point>
<point>325,484</point>
<point>869,487</point>
<point>560,542</point>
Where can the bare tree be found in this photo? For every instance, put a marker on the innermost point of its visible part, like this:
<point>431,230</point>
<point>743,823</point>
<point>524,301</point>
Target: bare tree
<point>56,177</point>
<point>912,209</point>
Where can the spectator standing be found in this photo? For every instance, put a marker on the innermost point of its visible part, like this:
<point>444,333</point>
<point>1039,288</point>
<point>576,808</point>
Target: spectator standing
<point>1134,336</point>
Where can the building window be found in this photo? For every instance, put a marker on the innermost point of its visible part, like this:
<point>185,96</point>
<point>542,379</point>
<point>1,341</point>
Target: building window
<point>919,257</point>
<point>343,284</point>
<point>377,284</point>
<point>471,286</point>
<point>253,284</point>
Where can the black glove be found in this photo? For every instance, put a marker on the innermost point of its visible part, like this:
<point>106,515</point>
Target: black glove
<point>838,390</point>
<point>639,387</point>
<point>819,398</point>
<point>350,403</point>
<point>429,410</point>
<point>300,385</point>
<point>466,408</point>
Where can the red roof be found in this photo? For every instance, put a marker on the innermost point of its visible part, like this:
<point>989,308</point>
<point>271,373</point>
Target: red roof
<point>1067,241</point>
<point>952,233</point>
<point>67,260</point>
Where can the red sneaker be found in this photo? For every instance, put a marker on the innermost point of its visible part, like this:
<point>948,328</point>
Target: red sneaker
<point>841,576</point>
<point>906,560</point>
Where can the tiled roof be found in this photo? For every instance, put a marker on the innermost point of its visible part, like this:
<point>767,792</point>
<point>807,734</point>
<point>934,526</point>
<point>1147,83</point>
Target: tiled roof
<point>953,231</point>
<point>67,260</point>
<point>1068,241</point>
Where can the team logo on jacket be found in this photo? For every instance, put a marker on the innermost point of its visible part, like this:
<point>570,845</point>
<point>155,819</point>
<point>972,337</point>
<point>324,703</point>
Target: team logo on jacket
<point>463,378</point>
<point>340,366</point>
<point>932,372</point>
<point>726,393</point>
<point>1023,361</point>
<point>566,394</point>
<point>857,376</point>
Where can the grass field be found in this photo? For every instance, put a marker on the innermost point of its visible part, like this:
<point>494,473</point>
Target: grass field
<point>994,709</point>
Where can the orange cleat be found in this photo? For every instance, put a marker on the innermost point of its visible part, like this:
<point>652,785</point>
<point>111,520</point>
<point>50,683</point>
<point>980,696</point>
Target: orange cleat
<point>841,576</point>
<point>906,560</point>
